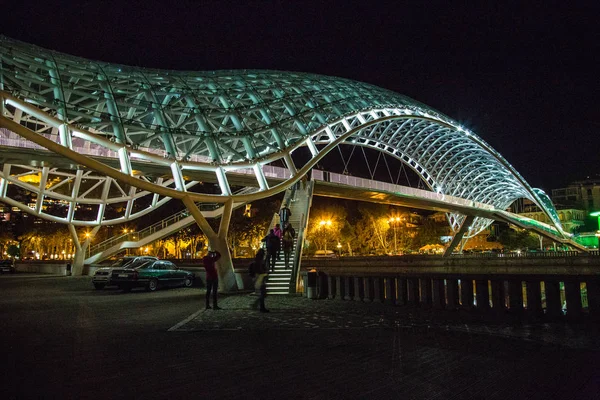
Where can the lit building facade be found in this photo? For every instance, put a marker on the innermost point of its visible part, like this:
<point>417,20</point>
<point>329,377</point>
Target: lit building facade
<point>584,194</point>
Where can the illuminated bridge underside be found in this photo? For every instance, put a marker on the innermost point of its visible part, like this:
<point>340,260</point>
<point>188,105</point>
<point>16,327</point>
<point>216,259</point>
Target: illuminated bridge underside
<point>224,123</point>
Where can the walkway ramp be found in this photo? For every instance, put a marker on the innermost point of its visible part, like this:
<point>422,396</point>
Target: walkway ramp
<point>538,227</point>
<point>299,200</point>
<point>157,231</point>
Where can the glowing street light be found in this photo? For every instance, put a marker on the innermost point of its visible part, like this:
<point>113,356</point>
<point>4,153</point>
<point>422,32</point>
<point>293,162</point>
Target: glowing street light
<point>326,224</point>
<point>394,221</point>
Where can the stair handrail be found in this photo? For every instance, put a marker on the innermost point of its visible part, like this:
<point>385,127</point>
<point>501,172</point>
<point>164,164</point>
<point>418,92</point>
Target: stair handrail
<point>162,224</point>
<point>309,185</point>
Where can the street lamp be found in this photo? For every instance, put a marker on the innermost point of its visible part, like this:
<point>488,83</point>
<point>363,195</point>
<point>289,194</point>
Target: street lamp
<point>394,222</point>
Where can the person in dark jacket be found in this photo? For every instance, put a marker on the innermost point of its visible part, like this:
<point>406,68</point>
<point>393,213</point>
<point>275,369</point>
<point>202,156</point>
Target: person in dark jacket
<point>273,245</point>
<point>212,278</point>
<point>289,234</point>
<point>260,280</point>
<point>284,215</point>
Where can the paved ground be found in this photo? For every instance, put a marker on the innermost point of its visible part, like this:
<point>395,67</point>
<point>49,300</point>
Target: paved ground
<point>294,312</point>
<point>62,339</point>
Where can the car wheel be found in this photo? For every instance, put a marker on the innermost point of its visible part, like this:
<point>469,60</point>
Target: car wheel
<point>152,285</point>
<point>99,286</point>
<point>188,282</point>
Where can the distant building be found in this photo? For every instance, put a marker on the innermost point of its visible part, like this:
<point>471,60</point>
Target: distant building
<point>573,203</point>
<point>583,195</point>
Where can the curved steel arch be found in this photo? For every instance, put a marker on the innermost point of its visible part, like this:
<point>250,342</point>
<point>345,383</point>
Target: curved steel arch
<point>225,122</point>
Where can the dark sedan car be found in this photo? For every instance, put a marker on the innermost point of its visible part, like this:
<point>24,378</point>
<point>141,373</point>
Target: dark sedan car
<point>7,266</point>
<point>150,275</point>
<point>103,276</point>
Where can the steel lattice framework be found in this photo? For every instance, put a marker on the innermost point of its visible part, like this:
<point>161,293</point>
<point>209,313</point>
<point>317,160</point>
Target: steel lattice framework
<point>227,122</point>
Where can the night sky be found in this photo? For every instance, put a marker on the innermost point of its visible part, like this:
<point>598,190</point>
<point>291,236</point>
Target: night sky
<point>523,77</point>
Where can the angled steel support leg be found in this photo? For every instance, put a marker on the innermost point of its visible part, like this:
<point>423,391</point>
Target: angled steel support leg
<point>218,242</point>
<point>80,249</point>
<point>459,235</point>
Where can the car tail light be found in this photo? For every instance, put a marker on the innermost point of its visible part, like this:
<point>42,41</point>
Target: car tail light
<point>135,275</point>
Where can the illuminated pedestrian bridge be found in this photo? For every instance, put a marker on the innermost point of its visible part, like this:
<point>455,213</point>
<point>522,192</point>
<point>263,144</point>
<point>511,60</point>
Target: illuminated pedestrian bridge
<point>135,133</point>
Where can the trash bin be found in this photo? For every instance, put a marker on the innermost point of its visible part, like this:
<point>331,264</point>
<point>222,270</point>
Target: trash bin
<point>322,291</point>
<point>311,284</point>
<point>68,269</point>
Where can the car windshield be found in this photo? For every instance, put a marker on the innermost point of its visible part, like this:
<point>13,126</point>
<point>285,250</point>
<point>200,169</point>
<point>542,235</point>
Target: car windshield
<point>121,263</point>
<point>145,265</point>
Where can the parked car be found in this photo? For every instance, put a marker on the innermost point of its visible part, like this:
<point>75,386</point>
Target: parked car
<point>7,266</point>
<point>102,276</point>
<point>151,275</point>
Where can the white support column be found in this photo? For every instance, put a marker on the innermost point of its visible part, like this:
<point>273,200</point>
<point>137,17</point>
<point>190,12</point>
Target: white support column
<point>329,133</point>
<point>77,266</point>
<point>346,124</point>
<point>225,219</point>
<point>459,235</point>
<point>4,181</point>
<point>218,242</point>
<point>178,176</point>
<point>129,206</point>
<point>74,194</point>
<point>65,136</point>
<point>260,176</point>
<point>105,191</point>
<point>312,147</point>
<point>40,198</point>
<point>199,218</point>
<point>227,279</point>
<point>125,161</point>
<point>289,163</point>
<point>223,183</point>
<point>159,182</point>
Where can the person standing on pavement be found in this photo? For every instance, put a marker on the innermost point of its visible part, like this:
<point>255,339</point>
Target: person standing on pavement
<point>284,215</point>
<point>260,280</point>
<point>212,278</point>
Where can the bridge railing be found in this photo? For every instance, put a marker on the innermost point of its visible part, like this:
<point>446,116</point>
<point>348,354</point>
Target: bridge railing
<point>570,297</point>
<point>525,254</point>
<point>136,236</point>
<point>393,188</point>
<point>9,139</point>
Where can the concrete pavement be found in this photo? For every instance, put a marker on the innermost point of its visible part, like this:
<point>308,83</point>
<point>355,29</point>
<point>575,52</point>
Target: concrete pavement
<point>62,339</point>
<point>296,312</point>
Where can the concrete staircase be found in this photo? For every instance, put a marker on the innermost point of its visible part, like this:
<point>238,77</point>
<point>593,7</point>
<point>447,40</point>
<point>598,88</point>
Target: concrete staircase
<point>298,201</point>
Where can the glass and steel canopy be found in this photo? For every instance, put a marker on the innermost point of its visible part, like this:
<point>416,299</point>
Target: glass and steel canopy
<point>222,121</point>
